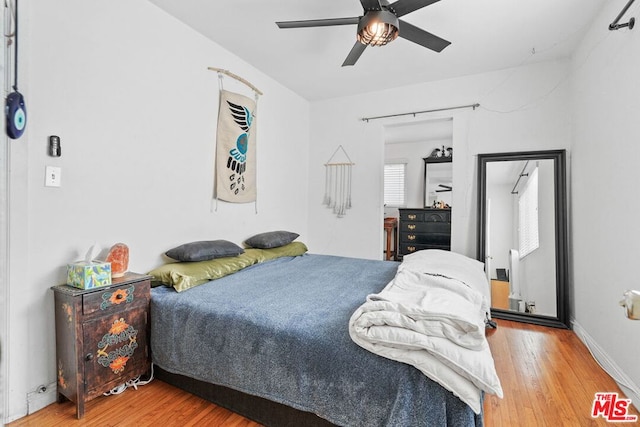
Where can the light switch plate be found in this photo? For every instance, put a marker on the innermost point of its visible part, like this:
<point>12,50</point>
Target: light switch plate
<point>52,176</point>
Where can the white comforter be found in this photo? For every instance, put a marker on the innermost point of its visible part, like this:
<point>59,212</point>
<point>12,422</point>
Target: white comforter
<point>432,316</point>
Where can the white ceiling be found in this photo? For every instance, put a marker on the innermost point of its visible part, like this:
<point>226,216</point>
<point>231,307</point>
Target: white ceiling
<point>485,35</point>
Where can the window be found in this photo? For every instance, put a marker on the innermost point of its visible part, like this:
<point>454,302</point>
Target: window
<point>394,191</point>
<point>528,216</point>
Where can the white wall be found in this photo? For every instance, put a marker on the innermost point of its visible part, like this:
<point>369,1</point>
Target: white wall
<point>605,233</point>
<point>126,87</point>
<point>521,109</point>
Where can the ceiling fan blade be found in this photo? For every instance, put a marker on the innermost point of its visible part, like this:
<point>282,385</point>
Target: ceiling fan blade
<point>445,186</point>
<point>354,54</point>
<point>318,22</point>
<point>370,4</point>
<point>402,7</point>
<point>421,37</point>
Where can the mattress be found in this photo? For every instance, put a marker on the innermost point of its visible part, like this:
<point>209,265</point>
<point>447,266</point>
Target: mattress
<point>279,330</point>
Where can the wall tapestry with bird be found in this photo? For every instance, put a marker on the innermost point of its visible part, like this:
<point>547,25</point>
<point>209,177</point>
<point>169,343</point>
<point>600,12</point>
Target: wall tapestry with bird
<point>236,149</point>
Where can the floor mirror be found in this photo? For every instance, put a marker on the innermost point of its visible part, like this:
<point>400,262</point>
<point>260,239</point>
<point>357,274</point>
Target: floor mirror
<point>522,235</point>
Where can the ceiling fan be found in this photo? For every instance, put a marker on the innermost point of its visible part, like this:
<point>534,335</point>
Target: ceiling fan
<point>445,189</point>
<point>379,25</point>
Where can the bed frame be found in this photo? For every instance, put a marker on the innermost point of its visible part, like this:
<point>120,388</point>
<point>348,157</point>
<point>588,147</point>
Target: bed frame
<point>258,409</point>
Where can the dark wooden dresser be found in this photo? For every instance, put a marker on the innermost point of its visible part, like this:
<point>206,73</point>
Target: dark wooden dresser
<point>426,228</point>
<point>101,337</point>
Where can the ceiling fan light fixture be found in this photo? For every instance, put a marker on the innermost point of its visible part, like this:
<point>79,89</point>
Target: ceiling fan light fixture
<point>377,28</point>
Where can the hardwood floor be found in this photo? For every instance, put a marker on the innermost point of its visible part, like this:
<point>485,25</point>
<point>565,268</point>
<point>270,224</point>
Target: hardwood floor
<point>548,376</point>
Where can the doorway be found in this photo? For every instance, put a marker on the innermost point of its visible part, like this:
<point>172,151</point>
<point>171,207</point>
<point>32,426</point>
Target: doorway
<point>405,147</point>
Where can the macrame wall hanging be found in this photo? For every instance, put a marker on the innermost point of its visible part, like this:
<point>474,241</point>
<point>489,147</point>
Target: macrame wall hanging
<point>337,183</point>
<point>235,175</point>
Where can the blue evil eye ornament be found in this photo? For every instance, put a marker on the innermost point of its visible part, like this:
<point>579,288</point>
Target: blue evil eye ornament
<point>16,113</point>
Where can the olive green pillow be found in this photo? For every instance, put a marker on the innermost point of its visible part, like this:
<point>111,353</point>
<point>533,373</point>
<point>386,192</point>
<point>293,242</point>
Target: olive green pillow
<point>292,249</point>
<point>186,275</point>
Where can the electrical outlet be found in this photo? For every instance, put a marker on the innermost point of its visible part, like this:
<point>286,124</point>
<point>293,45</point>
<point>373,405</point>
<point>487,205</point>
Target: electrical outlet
<point>52,176</point>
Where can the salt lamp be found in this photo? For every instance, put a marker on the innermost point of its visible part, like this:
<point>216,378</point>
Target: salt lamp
<point>119,259</point>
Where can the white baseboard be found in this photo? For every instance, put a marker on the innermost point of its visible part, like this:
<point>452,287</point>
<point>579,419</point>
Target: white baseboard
<point>38,399</point>
<point>628,387</point>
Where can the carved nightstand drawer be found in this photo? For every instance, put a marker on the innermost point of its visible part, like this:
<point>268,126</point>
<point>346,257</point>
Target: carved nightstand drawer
<point>114,298</point>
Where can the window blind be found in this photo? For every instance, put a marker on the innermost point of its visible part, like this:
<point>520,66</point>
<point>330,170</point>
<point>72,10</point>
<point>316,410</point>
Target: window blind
<point>528,216</point>
<point>394,189</point>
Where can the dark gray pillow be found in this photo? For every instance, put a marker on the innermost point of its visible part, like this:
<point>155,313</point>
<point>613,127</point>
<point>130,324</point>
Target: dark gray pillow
<point>271,239</point>
<point>204,250</point>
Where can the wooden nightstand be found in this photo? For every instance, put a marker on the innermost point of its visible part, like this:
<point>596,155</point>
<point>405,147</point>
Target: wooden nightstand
<point>101,337</point>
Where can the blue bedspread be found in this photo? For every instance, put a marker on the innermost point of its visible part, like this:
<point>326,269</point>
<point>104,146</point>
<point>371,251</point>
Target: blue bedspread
<point>279,330</point>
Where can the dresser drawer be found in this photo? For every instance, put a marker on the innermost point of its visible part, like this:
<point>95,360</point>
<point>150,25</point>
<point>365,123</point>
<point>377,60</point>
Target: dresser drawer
<point>408,248</point>
<point>425,227</point>
<point>426,215</point>
<point>426,238</point>
<point>116,298</point>
<point>437,216</point>
<point>416,216</point>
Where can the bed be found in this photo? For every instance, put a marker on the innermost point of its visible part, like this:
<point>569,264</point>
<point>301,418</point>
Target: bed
<point>272,342</point>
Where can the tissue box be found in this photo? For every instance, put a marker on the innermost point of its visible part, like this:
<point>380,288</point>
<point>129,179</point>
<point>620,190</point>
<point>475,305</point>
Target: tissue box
<point>89,275</point>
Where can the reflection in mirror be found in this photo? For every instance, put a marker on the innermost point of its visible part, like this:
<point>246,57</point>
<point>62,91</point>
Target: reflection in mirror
<point>522,235</point>
<point>438,183</point>
<point>438,178</point>
<point>521,243</point>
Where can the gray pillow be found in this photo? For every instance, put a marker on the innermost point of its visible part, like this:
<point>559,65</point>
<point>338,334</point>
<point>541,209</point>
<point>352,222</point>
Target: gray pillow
<point>204,250</point>
<point>271,239</point>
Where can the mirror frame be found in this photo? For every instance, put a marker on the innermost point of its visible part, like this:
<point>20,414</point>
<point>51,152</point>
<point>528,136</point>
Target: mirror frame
<point>560,201</point>
<point>427,161</point>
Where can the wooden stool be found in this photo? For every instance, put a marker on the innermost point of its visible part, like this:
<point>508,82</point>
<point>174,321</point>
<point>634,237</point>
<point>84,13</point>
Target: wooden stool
<point>391,229</point>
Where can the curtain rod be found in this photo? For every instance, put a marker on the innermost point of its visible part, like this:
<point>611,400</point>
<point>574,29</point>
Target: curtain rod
<point>615,26</point>
<point>513,191</point>
<point>235,76</point>
<point>474,106</point>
